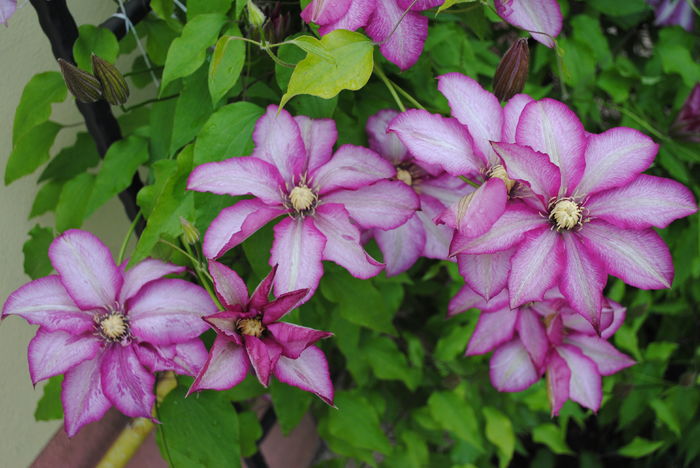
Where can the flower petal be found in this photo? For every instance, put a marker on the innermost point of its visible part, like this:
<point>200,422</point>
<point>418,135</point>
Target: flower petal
<point>297,251</point>
<point>419,5</point>
<point>351,167</point>
<point>319,136</point>
<point>82,396</point>
<point>186,358</point>
<point>357,16</point>
<point>618,313</point>
<point>46,302</point>
<point>535,267</point>
<point>437,238</point>
<point>558,379</point>
<point>465,299</point>
<point>169,311</point>
<point>261,295</point>
<point>263,356</point>
<point>645,202</point>
<point>309,372</point>
<point>531,167</point>
<point>548,126</point>
<point>281,306</point>
<point>476,212</point>
<point>511,368</point>
<point>86,268</point>
<point>343,242</point>
<point>511,116</point>
<point>492,330</point>
<point>487,274</point>
<point>224,323</point>
<point>294,339</point>
<point>239,176</point>
<point>608,359</point>
<point>445,188</point>
<point>226,367</point>
<point>325,11</point>
<point>639,258</point>
<point>532,334</point>
<point>144,272</point>
<point>438,141</point>
<point>230,288</point>
<point>542,16</point>
<point>614,158</point>
<point>126,383</point>
<point>278,141</point>
<point>402,246</point>
<point>54,353</point>
<point>585,384</point>
<point>386,144</point>
<point>476,108</point>
<point>401,37</point>
<point>235,224</point>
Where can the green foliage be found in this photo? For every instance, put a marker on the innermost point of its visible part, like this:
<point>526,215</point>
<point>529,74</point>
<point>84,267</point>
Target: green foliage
<point>226,64</point>
<point>31,151</point>
<point>36,252</point>
<point>49,406</point>
<point>34,105</point>
<point>94,40</point>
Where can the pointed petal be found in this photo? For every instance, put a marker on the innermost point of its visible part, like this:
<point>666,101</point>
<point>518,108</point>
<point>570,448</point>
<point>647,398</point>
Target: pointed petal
<point>230,288</point>
<point>45,302</point>
<point>475,213</point>
<point>325,11</point>
<point>186,358</point>
<point>542,16</point>
<point>169,311</point>
<point>86,268</point>
<point>143,273</point>
<point>585,384</point>
<point>343,242</point>
<point>357,16</point>
<point>492,330</point>
<point>126,383</point>
<point>583,279</point>
<point>608,359</point>
<point>437,238</point>
<point>438,141</point>
<point>511,368</point>
<point>536,266</point>
<point>402,246</point>
<point>308,372</point>
<point>645,202</point>
<point>281,306</point>
<point>487,274</point>
<point>639,258</point>
<point>319,136</point>
<point>532,334</point>
<point>263,356</point>
<point>465,299</point>
<point>618,313</point>
<point>407,32</point>
<point>558,378</point>
<point>261,295</point>
<point>278,141</point>
<point>235,224</point>
<point>474,107</point>
<point>294,339</point>
<point>82,397</point>
<point>54,353</point>
<point>384,205</point>
<point>351,167</point>
<point>548,126</point>
<point>531,167</point>
<point>226,367</point>
<point>297,251</point>
<point>511,116</point>
<point>224,323</point>
<point>445,188</point>
<point>614,158</point>
<point>386,144</point>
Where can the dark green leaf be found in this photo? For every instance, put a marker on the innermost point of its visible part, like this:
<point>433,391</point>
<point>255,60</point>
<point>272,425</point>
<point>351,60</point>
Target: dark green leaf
<point>31,151</point>
<point>455,415</point>
<point>226,64</point>
<point>552,437</point>
<point>250,431</point>
<point>94,40</point>
<point>46,199</point>
<point>72,160</point>
<point>35,104</point>
<point>192,110</point>
<point>49,406</point>
<point>227,133</point>
<point>640,447</point>
<point>291,404</point>
<point>198,7</point>
<point>356,421</point>
<point>71,207</point>
<point>36,252</point>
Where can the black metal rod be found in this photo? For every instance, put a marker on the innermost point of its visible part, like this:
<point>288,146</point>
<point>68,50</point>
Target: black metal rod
<point>136,10</point>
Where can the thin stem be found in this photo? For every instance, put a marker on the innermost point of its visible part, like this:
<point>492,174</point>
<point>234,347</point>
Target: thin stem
<point>149,101</point>
<point>276,59</point>
<point>647,126</point>
<point>170,244</point>
<point>125,242</point>
<point>378,71</point>
<point>408,97</point>
<point>692,5</point>
<point>403,15</point>
<point>470,182</point>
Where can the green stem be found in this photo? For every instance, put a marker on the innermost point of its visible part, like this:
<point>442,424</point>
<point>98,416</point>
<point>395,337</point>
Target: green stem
<point>692,5</point>
<point>470,182</point>
<point>408,97</point>
<point>125,242</point>
<point>378,71</point>
<point>276,59</point>
<point>647,126</point>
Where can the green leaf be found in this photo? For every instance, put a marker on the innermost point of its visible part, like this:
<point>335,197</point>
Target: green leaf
<point>160,36</point>
<point>121,162</point>
<point>31,151</point>
<point>94,40</point>
<point>36,252</point>
<point>499,431</point>
<point>553,437</point>
<point>35,104</point>
<point>452,343</point>
<point>250,431</point>
<point>46,198</point>
<point>72,160</point>
<point>356,421</point>
<point>192,110</point>
<point>640,447</point>
<point>187,52</point>
<point>454,414</point>
<point>226,64</point>
<point>199,431</point>
<point>49,406</point>
<point>451,3</point>
<point>198,7</point>
<point>217,141</point>
<point>665,414</point>
<point>71,206</point>
<point>350,67</point>
<point>163,8</point>
<point>291,404</point>
<point>389,363</point>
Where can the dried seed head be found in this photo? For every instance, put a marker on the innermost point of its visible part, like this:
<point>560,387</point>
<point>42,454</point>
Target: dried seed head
<point>511,73</point>
<point>114,87</point>
<point>81,84</point>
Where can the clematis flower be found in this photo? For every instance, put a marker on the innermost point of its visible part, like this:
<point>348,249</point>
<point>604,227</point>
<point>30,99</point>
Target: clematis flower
<point>7,9</point>
<point>534,16</point>
<point>325,199</point>
<point>674,12</point>
<point>419,236</point>
<point>590,212</point>
<point>545,338</point>
<point>249,332</point>
<point>109,329</point>
<point>687,124</point>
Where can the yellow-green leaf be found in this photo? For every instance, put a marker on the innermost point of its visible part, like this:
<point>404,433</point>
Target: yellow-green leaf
<point>226,65</point>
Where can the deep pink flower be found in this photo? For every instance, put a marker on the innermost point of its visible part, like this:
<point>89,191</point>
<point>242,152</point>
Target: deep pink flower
<point>249,332</point>
<point>590,211</point>
<point>325,199</point>
<point>437,190</point>
<point>687,124</point>
<point>109,329</point>
<point>545,338</point>
<point>674,12</point>
<point>534,16</point>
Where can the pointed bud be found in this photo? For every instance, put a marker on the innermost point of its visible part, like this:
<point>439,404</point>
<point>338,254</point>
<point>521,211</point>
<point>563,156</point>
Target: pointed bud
<point>81,84</point>
<point>255,15</point>
<point>114,87</point>
<point>511,73</point>
<point>190,234</point>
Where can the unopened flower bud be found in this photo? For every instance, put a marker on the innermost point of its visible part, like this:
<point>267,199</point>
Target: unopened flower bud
<point>255,15</point>
<point>511,73</point>
<point>190,234</point>
<point>687,124</point>
<point>81,84</point>
<point>114,87</point>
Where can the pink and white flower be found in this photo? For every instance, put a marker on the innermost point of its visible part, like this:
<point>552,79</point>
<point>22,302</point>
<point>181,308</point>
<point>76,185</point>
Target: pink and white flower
<point>419,236</point>
<point>325,199</point>
<point>249,333</point>
<point>541,18</point>
<point>109,329</point>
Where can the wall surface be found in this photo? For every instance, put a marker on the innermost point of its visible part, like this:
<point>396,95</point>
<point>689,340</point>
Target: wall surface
<point>24,51</point>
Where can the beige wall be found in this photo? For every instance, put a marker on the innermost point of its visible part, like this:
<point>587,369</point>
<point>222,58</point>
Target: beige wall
<point>24,51</point>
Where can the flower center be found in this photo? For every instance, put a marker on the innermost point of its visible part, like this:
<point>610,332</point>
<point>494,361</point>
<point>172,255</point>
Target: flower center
<point>566,214</point>
<point>113,326</point>
<point>499,172</point>
<point>250,326</point>
<point>302,198</point>
<point>404,176</point>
